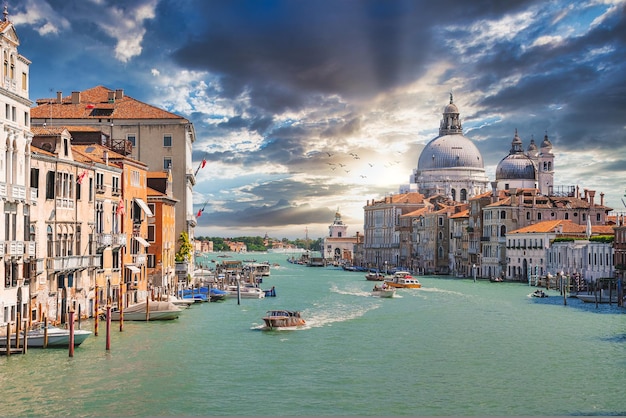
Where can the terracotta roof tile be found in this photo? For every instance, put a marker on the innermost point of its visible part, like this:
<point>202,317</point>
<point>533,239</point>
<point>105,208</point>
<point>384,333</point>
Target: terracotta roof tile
<point>94,104</point>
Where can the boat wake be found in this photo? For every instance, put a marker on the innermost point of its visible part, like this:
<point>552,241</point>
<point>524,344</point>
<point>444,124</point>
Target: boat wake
<point>351,291</point>
<point>327,314</point>
<point>437,290</point>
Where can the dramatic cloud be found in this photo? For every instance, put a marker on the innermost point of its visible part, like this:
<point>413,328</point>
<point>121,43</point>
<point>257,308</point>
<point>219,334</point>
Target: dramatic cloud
<point>306,107</point>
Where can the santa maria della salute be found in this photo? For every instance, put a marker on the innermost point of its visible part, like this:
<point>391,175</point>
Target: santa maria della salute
<point>452,219</point>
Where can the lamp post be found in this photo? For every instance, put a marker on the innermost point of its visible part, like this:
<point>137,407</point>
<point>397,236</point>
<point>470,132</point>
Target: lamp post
<point>474,271</point>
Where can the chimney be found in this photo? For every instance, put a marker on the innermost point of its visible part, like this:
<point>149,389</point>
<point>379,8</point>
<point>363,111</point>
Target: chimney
<point>602,199</point>
<point>592,194</point>
<point>59,97</point>
<point>119,94</point>
<point>584,194</point>
<point>75,97</point>
<point>111,97</point>
<point>494,191</point>
<point>106,157</point>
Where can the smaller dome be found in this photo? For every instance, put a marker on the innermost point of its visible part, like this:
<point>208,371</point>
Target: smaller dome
<point>516,167</point>
<point>546,143</point>
<point>451,107</point>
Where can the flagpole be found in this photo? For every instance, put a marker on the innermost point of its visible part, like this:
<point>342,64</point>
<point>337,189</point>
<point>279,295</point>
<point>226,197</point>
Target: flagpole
<point>201,165</point>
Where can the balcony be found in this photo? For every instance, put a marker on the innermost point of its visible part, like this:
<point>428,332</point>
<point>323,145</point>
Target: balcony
<point>18,192</point>
<point>64,203</point>
<point>70,263</point>
<point>116,191</point>
<point>30,249</point>
<point>485,238</point>
<point>100,188</point>
<point>14,248</point>
<point>121,146</point>
<point>119,240</point>
<point>104,240</point>
<point>3,190</point>
<point>139,259</point>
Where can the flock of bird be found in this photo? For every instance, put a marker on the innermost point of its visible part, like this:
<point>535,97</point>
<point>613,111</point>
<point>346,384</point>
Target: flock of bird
<point>334,165</point>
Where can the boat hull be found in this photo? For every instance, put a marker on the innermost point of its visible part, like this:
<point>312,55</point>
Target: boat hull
<point>386,293</point>
<point>57,337</point>
<point>600,299</point>
<point>404,285</point>
<point>141,316</point>
<point>283,319</point>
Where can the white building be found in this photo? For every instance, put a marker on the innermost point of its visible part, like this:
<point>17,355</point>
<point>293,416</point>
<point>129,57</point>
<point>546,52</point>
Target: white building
<point>338,246</point>
<point>450,164</point>
<point>17,250</point>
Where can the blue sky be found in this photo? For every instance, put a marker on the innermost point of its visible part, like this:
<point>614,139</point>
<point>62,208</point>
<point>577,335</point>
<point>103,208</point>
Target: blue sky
<point>305,107</point>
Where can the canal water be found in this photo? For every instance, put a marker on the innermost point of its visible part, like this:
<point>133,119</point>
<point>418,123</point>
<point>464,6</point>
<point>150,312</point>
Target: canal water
<point>454,347</point>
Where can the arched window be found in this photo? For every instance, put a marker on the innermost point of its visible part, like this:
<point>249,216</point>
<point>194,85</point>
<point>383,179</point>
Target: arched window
<point>566,215</point>
<point>463,195</point>
<point>538,216</point>
<point>454,194</point>
<point>527,215</point>
<point>50,242</point>
<point>503,215</point>
<point>503,231</point>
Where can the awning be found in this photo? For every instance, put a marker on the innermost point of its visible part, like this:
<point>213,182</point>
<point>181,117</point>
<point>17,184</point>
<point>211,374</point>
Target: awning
<point>134,269</point>
<point>142,241</point>
<point>144,207</point>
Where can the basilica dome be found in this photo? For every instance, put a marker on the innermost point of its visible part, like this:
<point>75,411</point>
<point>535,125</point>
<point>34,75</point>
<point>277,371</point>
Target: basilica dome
<point>516,165</point>
<point>450,151</point>
<point>450,164</point>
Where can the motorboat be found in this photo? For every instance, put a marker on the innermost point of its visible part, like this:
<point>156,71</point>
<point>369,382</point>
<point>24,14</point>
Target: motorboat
<point>403,279</point>
<point>181,303</point>
<point>375,276</point>
<point>148,311</point>
<point>57,337</point>
<point>539,294</point>
<point>283,319</point>
<point>245,292</point>
<point>600,298</point>
<point>383,291</point>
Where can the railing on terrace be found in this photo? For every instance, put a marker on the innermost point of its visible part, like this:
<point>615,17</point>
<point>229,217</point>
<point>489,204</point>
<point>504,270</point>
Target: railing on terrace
<point>77,262</point>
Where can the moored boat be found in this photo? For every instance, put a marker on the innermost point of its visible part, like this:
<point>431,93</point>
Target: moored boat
<point>539,294</point>
<point>403,279</point>
<point>283,319</point>
<point>602,298</point>
<point>57,337</point>
<point>375,276</point>
<point>148,311</point>
<point>245,292</point>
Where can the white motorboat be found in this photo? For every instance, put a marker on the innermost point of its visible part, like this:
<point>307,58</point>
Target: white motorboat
<point>57,337</point>
<point>181,303</point>
<point>156,311</point>
<point>246,292</point>
<point>383,292</point>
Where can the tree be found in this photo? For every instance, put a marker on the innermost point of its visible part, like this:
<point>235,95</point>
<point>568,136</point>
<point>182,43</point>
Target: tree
<point>184,251</point>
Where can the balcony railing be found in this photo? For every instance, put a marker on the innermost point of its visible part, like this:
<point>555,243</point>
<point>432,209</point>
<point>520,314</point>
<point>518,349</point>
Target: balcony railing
<point>3,190</point>
<point>139,259</point>
<point>14,248</point>
<point>18,192</point>
<point>79,262</point>
<point>104,240</point>
<point>119,240</point>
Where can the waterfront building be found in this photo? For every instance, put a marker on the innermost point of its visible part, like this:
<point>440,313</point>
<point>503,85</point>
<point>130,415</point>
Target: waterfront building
<point>161,264</point>
<point>63,224</point>
<point>517,208</point>
<point>459,242</point>
<point>381,245</point>
<point>338,246</point>
<point>17,250</point>
<point>159,139</point>
<point>450,164</point>
<point>104,190</point>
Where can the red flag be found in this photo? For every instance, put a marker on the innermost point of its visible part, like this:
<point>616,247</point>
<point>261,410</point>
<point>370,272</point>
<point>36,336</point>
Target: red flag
<point>203,163</point>
<point>120,208</point>
<point>81,176</point>
<point>199,213</point>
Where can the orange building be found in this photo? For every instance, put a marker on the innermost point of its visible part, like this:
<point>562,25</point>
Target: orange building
<point>161,231</point>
